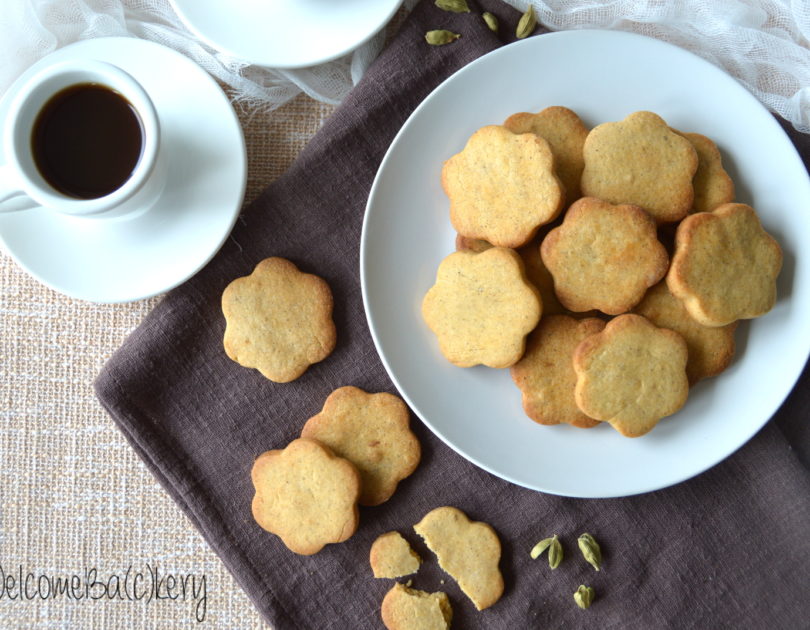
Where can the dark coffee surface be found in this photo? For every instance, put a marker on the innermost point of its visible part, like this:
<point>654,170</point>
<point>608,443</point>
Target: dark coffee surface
<point>87,140</point>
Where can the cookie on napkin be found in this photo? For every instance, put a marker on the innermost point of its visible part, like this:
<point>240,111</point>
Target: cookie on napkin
<point>372,431</point>
<point>306,495</point>
<point>391,556</point>
<point>278,320</point>
<point>406,608</point>
<point>468,550</point>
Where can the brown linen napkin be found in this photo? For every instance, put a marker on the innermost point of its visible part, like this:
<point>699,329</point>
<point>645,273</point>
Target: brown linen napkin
<point>728,549</point>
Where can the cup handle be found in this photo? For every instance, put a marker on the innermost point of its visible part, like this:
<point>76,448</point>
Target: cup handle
<point>10,191</point>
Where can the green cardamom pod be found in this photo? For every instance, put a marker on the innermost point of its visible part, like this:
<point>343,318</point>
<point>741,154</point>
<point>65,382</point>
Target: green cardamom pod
<point>491,20</point>
<point>555,553</point>
<point>440,37</point>
<point>584,596</point>
<point>456,6</point>
<point>527,23</point>
<point>590,550</point>
<point>540,547</point>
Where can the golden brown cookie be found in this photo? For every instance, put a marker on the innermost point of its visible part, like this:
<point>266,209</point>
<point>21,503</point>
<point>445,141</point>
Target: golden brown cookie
<point>725,265</point>
<point>604,256</point>
<point>713,186</point>
<point>710,348</point>
<point>631,374</point>
<point>468,550</point>
<point>565,134</point>
<point>545,374</point>
<point>406,608</point>
<point>502,186</point>
<point>278,320</point>
<point>641,161</point>
<point>482,307</point>
<point>306,495</point>
<point>371,431</point>
<point>391,556</point>
<point>536,271</point>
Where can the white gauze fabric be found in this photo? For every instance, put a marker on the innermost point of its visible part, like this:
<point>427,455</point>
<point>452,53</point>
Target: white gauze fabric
<point>763,43</point>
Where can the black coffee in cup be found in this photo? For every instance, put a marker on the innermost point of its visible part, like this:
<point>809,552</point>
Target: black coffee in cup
<point>87,140</point>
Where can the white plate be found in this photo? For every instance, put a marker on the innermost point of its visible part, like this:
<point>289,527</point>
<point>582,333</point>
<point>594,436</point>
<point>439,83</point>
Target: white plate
<point>286,33</point>
<point>603,76</point>
<point>107,260</point>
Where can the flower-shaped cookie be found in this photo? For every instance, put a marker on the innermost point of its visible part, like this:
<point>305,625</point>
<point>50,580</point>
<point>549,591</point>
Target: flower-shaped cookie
<point>468,550</point>
<point>502,186</point>
<point>371,431</point>
<point>536,272</point>
<point>482,307</point>
<point>545,374</point>
<point>278,320</point>
<point>640,160</point>
<point>710,348</point>
<point>565,134</point>
<point>306,495</point>
<point>604,256</point>
<point>631,374</point>
<point>725,265</point>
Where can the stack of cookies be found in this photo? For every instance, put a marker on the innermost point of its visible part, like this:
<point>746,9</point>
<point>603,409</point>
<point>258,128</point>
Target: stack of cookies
<point>607,268</point>
<point>354,452</point>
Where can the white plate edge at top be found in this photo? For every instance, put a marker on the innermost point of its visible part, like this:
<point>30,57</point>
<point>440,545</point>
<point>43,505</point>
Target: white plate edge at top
<point>280,62</point>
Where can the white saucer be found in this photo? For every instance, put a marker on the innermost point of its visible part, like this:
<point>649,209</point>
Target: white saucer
<point>108,260</point>
<point>284,33</point>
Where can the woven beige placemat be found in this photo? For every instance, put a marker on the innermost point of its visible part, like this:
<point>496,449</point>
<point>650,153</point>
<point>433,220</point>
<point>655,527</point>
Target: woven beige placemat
<point>88,539</point>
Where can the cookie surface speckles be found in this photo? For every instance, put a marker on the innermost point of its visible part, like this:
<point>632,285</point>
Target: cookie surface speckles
<point>640,160</point>
<point>713,185</point>
<point>372,431</point>
<point>468,550</point>
<point>502,186</point>
<point>305,495</point>
<point>711,348</point>
<point>631,374</point>
<point>545,375</point>
<point>725,265</point>
<point>604,256</point>
<point>406,608</point>
<point>391,556</point>
<point>565,134</point>
<point>278,320</point>
<point>482,307</point>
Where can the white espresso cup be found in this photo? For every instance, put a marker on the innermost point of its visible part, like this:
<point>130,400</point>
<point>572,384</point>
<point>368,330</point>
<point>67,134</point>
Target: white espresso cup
<point>26,179</point>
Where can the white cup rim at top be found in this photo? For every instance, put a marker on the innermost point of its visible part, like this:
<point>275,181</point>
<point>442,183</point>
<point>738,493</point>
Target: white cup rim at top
<point>29,101</point>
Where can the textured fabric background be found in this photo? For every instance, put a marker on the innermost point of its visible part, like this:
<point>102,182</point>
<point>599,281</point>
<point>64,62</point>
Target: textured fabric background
<point>73,495</point>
